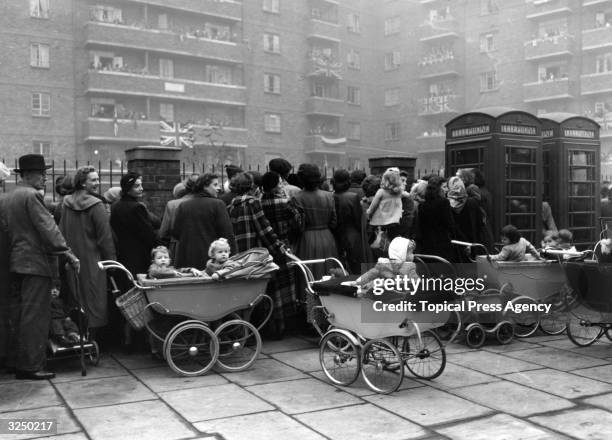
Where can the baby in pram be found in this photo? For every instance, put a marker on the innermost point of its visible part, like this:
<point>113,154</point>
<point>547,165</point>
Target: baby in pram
<point>219,264</point>
<point>63,331</point>
<point>161,266</point>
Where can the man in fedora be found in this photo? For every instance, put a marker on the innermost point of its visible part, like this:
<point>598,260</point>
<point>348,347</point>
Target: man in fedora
<point>34,241</point>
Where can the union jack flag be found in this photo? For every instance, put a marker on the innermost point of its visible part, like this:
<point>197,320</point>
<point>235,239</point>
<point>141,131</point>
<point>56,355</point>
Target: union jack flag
<point>176,134</point>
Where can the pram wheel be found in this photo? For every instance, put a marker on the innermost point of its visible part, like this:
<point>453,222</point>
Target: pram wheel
<point>340,358</point>
<point>504,333</point>
<point>379,366</point>
<point>424,357</point>
<point>526,323</point>
<point>553,323</point>
<point>191,348</point>
<point>239,345</point>
<point>581,332</point>
<point>93,355</point>
<point>609,334</point>
<point>475,335</point>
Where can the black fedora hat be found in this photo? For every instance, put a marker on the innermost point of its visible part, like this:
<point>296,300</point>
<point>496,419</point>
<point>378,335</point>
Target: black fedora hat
<point>32,162</point>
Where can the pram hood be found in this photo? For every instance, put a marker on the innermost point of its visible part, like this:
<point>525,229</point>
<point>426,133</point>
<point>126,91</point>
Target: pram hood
<point>254,263</point>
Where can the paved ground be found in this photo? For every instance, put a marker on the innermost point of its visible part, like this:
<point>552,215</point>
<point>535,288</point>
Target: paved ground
<point>539,388</point>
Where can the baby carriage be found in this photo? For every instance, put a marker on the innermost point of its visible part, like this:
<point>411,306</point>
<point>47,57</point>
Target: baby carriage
<point>202,327</point>
<point>84,346</point>
<point>379,348</point>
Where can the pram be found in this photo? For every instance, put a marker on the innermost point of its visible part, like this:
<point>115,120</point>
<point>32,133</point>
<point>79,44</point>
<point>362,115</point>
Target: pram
<point>86,347</point>
<point>204,327</point>
<point>379,348</point>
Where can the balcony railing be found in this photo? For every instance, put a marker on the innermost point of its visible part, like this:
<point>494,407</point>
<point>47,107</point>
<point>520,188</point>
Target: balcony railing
<point>595,83</point>
<point>548,8</point>
<point>327,30</point>
<point>436,105</point>
<point>316,105</point>
<point>226,8</point>
<point>166,88</point>
<point>148,132</point>
<point>98,33</point>
<point>435,29</point>
<point>440,68</point>
<point>561,88</point>
<point>545,47</point>
<point>586,3</point>
<point>318,144</point>
<point>597,38</point>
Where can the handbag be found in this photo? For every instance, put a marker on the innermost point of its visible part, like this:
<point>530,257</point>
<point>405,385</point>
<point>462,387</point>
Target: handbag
<point>381,242</point>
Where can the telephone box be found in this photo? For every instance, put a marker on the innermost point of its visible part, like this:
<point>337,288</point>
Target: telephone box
<point>571,161</point>
<point>506,145</point>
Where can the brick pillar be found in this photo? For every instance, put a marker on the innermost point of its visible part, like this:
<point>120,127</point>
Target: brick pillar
<point>160,168</point>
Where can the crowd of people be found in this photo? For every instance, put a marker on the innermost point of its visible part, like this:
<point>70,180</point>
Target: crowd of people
<point>354,217</point>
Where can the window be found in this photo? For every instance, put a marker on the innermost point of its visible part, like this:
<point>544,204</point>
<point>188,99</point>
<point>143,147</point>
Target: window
<point>102,108</point>
<point>353,23</point>
<point>552,72</point>
<point>271,83</point>
<point>488,7</point>
<point>487,42</point>
<point>392,60</point>
<point>39,55</point>
<point>353,131</point>
<point>272,122</point>
<point>41,104</point>
<point>353,95</point>
<point>106,14</point>
<point>41,147</point>
<point>166,68</point>
<point>166,112</point>
<point>162,21</point>
<point>271,6</point>
<point>271,43</point>
<point>218,74</point>
<point>488,81</point>
<point>392,25</point>
<point>39,8</point>
<point>603,63</point>
<point>392,131</point>
<point>392,96</point>
<point>353,59</point>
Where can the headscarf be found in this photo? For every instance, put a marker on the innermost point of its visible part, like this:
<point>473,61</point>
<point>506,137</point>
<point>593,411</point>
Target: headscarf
<point>457,195</point>
<point>5,172</point>
<point>112,194</point>
<point>418,190</point>
<point>399,248</point>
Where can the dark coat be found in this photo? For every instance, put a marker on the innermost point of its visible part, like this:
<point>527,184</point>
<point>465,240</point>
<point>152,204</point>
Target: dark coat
<point>86,227</point>
<point>348,230</point>
<point>200,221</point>
<point>435,227</point>
<point>134,233</point>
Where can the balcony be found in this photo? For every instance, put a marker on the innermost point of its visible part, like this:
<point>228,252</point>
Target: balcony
<point>147,132</point>
<point>119,83</point>
<point>106,34</point>
<point>316,105</point>
<point>444,68</point>
<point>549,8</point>
<point>430,144</point>
<point>586,3</point>
<point>226,8</point>
<point>438,105</point>
<point>324,30</point>
<point>548,90</point>
<point>548,47</point>
<point>439,29</point>
<point>595,83</point>
<point>327,145</point>
<point>598,38</point>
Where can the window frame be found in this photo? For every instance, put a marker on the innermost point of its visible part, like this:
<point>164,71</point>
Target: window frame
<point>353,24</point>
<point>485,77</point>
<point>40,9</point>
<point>276,83</point>
<point>353,92</point>
<point>38,147</point>
<point>350,125</point>
<point>269,117</point>
<point>271,6</point>
<point>35,48</point>
<point>392,30</point>
<point>269,45</point>
<point>484,42</point>
<point>393,131</point>
<point>353,59</point>
<point>41,107</point>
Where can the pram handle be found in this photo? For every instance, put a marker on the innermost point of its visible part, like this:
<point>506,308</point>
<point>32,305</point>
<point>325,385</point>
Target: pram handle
<point>111,264</point>
<point>472,245</point>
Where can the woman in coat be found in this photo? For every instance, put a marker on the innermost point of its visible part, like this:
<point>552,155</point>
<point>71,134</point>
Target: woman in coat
<point>85,225</point>
<point>348,230</point>
<point>467,214</point>
<point>200,221</point>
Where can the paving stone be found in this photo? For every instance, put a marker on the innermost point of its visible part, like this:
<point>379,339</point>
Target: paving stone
<point>199,404</point>
<point>604,401</point>
<point>65,422</point>
<point>67,371</point>
<point>22,395</point>
<point>564,344</point>
<point>554,358</point>
<point>363,421</point>
<point>134,421</point>
<point>457,348</point>
<point>490,363</point>
<point>360,388</point>
<point>591,424</point>
<point>559,383</point>
<point>455,376</point>
<point>164,379</point>
<point>598,350</point>
<point>75,436</point>
<point>603,373</point>
<point>427,406</point>
<point>287,344</point>
<point>515,345</point>
<point>512,398</point>
<point>271,425</point>
<point>106,391</point>
<point>541,339</point>
<point>299,396</point>
<point>303,360</point>
<point>264,371</point>
<point>498,427</point>
<point>138,360</point>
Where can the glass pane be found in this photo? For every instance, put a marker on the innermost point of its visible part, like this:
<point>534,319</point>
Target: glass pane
<point>581,189</point>
<point>523,172</point>
<point>584,235</point>
<point>584,220</point>
<point>520,205</point>
<point>524,155</point>
<point>464,157</point>
<point>582,174</point>
<point>581,205</point>
<point>521,221</point>
<point>581,158</point>
<point>521,189</point>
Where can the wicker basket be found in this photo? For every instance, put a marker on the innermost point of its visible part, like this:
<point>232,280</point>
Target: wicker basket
<point>132,305</point>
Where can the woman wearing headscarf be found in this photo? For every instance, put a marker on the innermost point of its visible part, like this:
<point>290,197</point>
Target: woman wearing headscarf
<point>182,191</point>
<point>466,212</point>
<point>85,225</point>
